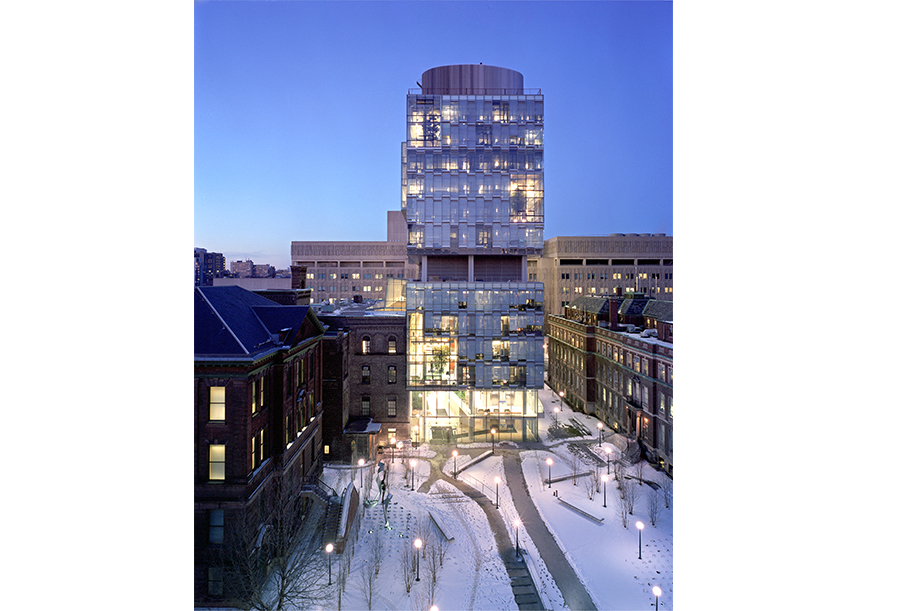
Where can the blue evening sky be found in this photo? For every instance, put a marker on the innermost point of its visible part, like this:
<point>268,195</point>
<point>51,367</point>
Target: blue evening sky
<point>299,112</point>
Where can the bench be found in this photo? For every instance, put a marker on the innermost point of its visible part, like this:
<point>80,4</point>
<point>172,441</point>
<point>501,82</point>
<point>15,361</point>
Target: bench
<point>581,511</point>
<point>439,524</point>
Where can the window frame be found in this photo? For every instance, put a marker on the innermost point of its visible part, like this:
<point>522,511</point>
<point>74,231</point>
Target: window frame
<point>219,404</point>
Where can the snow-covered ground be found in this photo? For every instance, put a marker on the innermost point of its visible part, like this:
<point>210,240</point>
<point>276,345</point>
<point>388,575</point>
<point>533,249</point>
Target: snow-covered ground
<point>604,555</point>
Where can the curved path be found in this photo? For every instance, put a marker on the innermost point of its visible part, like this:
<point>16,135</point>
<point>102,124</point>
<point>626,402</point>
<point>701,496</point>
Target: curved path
<point>576,597</point>
<point>525,593</point>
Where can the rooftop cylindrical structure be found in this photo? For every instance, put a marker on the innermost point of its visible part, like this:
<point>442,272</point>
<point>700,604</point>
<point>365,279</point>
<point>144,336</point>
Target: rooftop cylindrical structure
<point>472,79</point>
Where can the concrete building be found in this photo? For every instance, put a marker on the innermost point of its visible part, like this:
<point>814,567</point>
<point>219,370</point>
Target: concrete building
<point>572,266</point>
<point>612,357</point>
<point>472,194</point>
<point>336,271</point>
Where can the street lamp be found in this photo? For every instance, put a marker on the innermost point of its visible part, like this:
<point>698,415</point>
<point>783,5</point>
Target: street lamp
<point>656,592</point>
<point>599,433</point>
<point>328,549</point>
<point>393,441</point>
<point>497,484</point>
<point>455,454</point>
<point>412,464</point>
<point>416,431</point>
<point>640,527</point>
<point>605,479</point>
<point>400,448</point>
<point>556,416</point>
<point>493,432</point>
<point>608,451</point>
<point>418,544</point>
<point>549,480</point>
<point>517,523</point>
<point>360,462</point>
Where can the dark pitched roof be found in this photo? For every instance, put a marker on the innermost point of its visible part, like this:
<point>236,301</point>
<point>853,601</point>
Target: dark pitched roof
<point>232,321</point>
<point>660,310</point>
<point>588,303</point>
<point>633,306</point>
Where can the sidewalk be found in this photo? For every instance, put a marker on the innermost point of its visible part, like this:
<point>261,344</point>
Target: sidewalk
<point>573,591</point>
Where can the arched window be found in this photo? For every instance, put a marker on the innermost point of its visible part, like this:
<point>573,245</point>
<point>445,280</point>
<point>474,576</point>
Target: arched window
<point>366,344</point>
<point>392,345</point>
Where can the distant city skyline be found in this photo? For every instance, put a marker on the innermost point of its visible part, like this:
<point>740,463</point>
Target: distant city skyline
<point>285,90</point>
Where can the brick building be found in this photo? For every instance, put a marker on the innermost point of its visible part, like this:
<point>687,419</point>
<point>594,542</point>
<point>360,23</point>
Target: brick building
<point>612,357</point>
<point>376,375</point>
<point>257,423</point>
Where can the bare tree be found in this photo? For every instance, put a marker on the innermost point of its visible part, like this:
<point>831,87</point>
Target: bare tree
<point>278,564</point>
<point>622,509</point>
<point>406,566</point>
<point>433,563</point>
<point>376,549</point>
<point>630,494</point>
<point>653,505</point>
<point>639,469</point>
<point>619,471</point>
<point>366,581</point>
<point>666,486</point>
<point>422,602</point>
<point>594,483</point>
<point>343,572</point>
<point>441,548</point>
<point>432,568</point>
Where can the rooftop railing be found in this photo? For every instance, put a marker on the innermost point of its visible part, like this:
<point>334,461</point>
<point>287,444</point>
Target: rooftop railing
<point>474,91</point>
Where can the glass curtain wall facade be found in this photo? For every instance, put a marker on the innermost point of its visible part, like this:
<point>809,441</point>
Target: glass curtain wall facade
<point>475,359</point>
<point>473,197</point>
<point>473,174</point>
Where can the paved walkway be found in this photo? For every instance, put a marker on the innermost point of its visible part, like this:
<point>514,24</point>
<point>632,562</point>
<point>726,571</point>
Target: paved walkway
<point>573,591</point>
<point>574,594</point>
<point>523,587</point>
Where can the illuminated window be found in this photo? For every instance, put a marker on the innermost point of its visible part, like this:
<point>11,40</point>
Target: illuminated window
<point>392,406</point>
<point>366,342</point>
<point>257,449</point>
<point>217,403</point>
<point>217,461</point>
<point>392,374</point>
<point>366,374</point>
<point>392,345</point>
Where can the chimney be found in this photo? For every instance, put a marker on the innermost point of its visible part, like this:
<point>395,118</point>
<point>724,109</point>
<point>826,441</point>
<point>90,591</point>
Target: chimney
<point>613,313</point>
<point>298,276</point>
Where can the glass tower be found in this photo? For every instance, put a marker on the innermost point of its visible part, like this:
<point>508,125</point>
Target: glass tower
<point>473,196</point>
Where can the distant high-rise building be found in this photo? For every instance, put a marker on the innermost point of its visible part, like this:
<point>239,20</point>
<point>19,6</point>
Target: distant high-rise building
<point>242,269</point>
<point>198,265</point>
<point>472,187</point>
<point>207,265</point>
